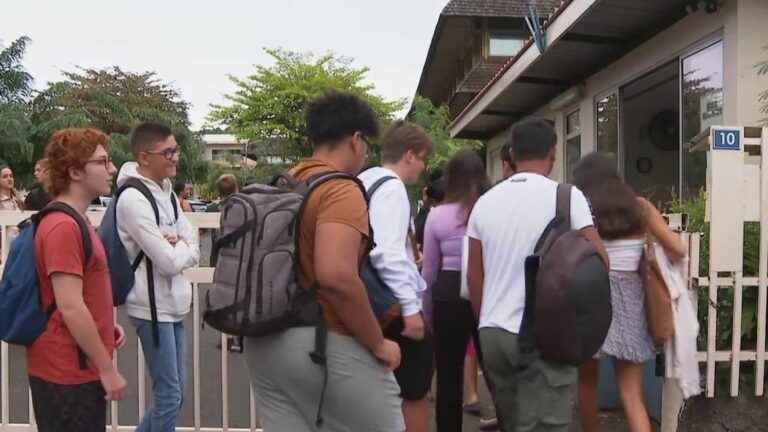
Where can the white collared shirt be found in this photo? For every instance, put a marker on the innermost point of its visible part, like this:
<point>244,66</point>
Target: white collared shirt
<point>390,214</point>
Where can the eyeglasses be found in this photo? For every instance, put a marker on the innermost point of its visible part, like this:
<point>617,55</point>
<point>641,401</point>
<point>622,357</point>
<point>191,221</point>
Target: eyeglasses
<point>367,143</point>
<point>168,153</point>
<point>104,161</point>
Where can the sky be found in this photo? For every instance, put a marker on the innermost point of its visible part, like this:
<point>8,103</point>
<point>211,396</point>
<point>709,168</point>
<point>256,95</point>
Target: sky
<point>195,44</point>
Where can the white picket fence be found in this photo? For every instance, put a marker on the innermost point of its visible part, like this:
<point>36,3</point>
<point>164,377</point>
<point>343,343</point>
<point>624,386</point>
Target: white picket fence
<point>197,276</point>
<point>201,275</point>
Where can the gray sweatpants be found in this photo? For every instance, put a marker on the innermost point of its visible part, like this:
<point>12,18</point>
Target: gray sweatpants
<point>361,395</point>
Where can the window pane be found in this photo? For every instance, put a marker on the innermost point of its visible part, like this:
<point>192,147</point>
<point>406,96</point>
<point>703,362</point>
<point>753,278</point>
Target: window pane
<point>702,98</point>
<point>572,123</point>
<point>572,155</point>
<point>608,125</point>
<point>504,45</point>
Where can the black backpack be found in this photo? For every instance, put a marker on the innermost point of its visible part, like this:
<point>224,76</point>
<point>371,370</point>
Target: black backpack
<point>568,294</point>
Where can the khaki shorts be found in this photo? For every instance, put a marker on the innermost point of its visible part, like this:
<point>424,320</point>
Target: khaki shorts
<point>530,394</point>
<point>361,395</point>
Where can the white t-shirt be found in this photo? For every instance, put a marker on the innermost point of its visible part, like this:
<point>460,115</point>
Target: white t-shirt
<point>508,220</point>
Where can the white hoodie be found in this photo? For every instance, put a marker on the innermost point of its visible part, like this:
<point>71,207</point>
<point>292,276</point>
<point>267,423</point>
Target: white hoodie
<point>138,230</point>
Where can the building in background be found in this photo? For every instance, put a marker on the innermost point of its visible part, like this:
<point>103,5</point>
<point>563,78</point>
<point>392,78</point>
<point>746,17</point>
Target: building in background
<point>637,79</point>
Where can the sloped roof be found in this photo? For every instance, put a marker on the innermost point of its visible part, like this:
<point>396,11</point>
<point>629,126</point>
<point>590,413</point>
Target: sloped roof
<point>455,24</point>
<point>481,75</point>
<point>498,8</point>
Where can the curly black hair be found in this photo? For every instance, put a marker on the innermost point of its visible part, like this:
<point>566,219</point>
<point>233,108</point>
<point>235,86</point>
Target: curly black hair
<point>337,115</point>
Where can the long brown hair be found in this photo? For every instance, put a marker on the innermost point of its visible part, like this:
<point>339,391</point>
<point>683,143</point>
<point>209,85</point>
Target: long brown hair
<point>465,180</point>
<point>617,212</point>
<point>13,195</point>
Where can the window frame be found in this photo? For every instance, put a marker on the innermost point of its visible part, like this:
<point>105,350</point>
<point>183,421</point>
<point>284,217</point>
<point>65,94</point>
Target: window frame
<point>569,136</point>
<point>508,34</point>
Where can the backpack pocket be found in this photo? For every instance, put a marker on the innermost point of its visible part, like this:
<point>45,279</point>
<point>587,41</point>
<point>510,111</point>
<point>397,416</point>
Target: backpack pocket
<point>277,227</point>
<point>275,286</point>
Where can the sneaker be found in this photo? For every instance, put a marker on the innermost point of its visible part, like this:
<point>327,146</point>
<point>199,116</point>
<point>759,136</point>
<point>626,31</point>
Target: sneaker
<point>489,424</point>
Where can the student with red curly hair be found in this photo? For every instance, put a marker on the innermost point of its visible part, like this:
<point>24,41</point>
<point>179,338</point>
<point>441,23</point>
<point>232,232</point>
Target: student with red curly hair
<point>70,368</point>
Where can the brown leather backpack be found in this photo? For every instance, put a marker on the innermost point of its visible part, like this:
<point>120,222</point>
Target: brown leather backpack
<point>568,293</point>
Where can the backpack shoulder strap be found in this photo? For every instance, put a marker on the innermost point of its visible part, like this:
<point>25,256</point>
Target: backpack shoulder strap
<point>175,204</point>
<point>561,223</point>
<point>377,184</point>
<point>317,180</point>
<point>141,187</point>
<point>563,206</point>
<point>60,207</point>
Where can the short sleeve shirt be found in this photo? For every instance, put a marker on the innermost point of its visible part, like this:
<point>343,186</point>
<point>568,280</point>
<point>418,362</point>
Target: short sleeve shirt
<point>337,201</point>
<point>508,221</point>
<point>53,357</point>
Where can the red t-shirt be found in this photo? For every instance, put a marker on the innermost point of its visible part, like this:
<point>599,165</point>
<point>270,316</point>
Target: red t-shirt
<point>53,357</point>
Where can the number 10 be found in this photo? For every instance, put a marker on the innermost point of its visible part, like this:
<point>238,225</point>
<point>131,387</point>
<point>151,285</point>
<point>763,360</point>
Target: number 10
<point>728,138</point>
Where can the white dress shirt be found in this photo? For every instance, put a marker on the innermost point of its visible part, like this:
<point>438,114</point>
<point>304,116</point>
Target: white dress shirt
<point>390,214</point>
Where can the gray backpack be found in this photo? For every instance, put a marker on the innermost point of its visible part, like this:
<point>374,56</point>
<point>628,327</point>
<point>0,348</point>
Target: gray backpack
<point>255,289</point>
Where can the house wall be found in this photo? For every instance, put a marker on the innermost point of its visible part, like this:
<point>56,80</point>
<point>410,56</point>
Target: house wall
<point>210,147</point>
<point>742,25</point>
<point>493,146</point>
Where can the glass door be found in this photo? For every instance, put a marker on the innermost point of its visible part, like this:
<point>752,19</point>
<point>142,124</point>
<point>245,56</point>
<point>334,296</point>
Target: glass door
<point>650,133</point>
<point>701,103</point>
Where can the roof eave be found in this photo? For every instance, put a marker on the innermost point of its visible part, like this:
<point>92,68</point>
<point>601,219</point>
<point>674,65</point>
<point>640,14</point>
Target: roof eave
<point>556,26</point>
<point>430,54</point>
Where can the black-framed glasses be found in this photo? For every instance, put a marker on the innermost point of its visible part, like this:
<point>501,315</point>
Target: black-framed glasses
<point>168,153</point>
<point>104,161</point>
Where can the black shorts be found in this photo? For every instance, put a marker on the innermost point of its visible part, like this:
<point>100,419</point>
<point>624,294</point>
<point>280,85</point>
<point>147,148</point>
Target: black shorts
<point>416,365</point>
<point>60,408</point>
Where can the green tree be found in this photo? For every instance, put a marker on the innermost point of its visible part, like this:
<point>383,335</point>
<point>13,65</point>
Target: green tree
<point>16,147</point>
<point>115,101</point>
<point>269,105</point>
<point>762,69</point>
<point>435,121</point>
<point>15,81</point>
